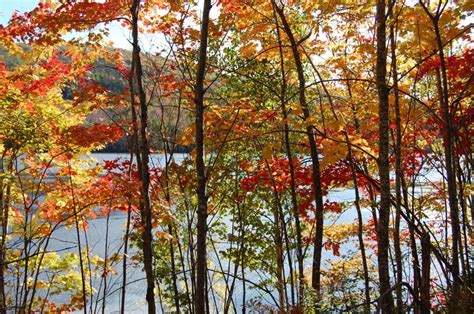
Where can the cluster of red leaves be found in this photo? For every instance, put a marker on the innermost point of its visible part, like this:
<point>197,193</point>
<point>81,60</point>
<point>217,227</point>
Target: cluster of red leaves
<point>4,79</point>
<point>275,176</point>
<point>371,235</point>
<point>124,71</point>
<point>237,7</point>
<point>98,134</point>
<point>121,179</point>
<point>458,68</point>
<point>429,66</point>
<point>461,66</point>
<point>56,73</point>
<point>337,175</point>
<point>52,307</point>
<point>438,297</point>
<point>116,188</point>
<point>251,118</point>
<point>411,162</point>
<point>334,246</point>
<point>463,119</point>
<point>465,132</point>
<point>169,84</point>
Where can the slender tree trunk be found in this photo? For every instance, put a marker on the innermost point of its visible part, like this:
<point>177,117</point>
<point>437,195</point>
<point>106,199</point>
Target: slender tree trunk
<point>187,259</point>
<point>411,221</point>
<point>463,204</point>
<point>426,274</point>
<point>26,252</point>
<point>188,292</point>
<point>360,233</point>
<point>132,143</point>
<point>201,261</point>
<point>173,270</point>
<point>5,206</point>
<point>244,286</point>
<point>316,176</point>
<point>386,301</point>
<point>242,222</point>
<point>360,224</point>
<point>171,232</point>
<point>289,154</point>
<point>450,170</point>
<point>413,246</point>
<point>240,243</point>
<point>398,169</point>
<point>125,255</point>
<point>137,90</point>
<point>38,265</point>
<point>106,253</point>
<point>277,234</point>
<point>79,245</point>
<point>191,256</point>
<point>284,228</point>
<point>448,141</point>
<point>228,299</point>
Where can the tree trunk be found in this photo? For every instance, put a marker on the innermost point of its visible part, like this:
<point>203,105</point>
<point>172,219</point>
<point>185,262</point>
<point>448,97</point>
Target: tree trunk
<point>316,177</point>
<point>144,152</point>
<point>360,230</point>
<point>386,301</point>
<point>426,271</point>
<point>201,261</point>
<point>448,143</point>
<point>294,200</point>
<point>450,170</point>
<point>360,224</point>
<point>277,217</point>
<point>398,169</point>
<point>5,205</point>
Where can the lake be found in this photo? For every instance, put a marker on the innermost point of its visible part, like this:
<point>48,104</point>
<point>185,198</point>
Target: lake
<point>136,290</point>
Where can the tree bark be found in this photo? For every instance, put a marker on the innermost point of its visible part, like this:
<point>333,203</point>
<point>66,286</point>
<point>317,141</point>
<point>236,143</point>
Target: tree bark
<point>201,260</point>
<point>4,208</point>
<point>386,300</point>
<point>137,90</point>
<point>450,170</point>
<point>398,168</point>
<point>426,272</point>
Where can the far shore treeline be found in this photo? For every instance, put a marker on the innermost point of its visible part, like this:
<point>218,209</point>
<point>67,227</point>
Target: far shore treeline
<point>105,74</point>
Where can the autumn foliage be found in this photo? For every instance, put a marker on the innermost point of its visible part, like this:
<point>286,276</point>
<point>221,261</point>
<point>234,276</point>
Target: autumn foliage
<point>282,201</point>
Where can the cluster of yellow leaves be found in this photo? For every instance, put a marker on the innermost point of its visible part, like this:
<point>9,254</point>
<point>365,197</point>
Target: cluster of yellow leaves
<point>340,232</point>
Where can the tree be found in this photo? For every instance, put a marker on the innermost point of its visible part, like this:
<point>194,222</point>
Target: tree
<point>386,299</point>
<point>201,260</point>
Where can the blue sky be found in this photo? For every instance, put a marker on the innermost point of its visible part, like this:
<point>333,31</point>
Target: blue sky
<point>7,7</point>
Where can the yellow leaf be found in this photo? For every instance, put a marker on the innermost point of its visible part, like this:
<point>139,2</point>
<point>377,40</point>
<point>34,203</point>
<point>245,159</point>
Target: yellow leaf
<point>267,151</point>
